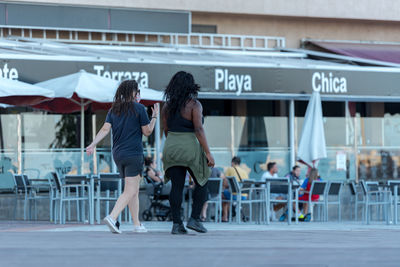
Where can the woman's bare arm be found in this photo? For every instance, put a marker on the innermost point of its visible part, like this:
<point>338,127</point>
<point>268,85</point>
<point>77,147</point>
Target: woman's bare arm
<point>197,118</point>
<point>100,135</point>
<point>153,176</point>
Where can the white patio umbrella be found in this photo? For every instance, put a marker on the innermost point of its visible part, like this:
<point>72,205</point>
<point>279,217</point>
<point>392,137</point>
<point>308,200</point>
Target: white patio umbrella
<point>13,92</point>
<point>312,146</point>
<point>74,92</point>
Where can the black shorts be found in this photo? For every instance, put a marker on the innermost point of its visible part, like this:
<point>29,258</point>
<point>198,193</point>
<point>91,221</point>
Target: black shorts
<point>130,167</point>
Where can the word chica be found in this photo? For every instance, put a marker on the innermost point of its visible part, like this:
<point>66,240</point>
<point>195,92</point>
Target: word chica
<point>328,83</point>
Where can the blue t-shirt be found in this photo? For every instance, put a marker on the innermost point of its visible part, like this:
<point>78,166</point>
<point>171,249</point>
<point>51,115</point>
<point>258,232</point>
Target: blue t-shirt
<point>127,131</point>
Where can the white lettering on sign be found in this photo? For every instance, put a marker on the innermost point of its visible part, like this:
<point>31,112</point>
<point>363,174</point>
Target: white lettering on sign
<point>142,78</point>
<point>328,83</point>
<point>8,73</point>
<point>232,82</point>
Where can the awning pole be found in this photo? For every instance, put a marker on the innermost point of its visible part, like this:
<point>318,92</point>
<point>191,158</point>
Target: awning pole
<point>82,135</point>
<point>95,150</point>
<point>19,143</point>
<point>157,137</point>
<point>291,134</point>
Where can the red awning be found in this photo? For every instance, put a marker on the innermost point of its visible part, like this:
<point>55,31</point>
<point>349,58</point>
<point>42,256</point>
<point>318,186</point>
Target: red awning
<point>381,52</point>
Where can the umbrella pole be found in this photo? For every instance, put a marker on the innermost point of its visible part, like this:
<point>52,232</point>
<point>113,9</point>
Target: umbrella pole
<point>82,136</point>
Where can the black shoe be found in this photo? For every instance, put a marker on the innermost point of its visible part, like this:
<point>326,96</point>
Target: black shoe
<point>178,229</point>
<point>196,225</point>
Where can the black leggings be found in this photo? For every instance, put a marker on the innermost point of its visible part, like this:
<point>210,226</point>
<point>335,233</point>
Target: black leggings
<point>178,176</point>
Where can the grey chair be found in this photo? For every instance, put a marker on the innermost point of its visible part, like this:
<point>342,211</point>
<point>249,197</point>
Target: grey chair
<point>357,198</point>
<point>281,186</point>
<point>21,192</point>
<point>375,197</point>
<point>214,197</point>
<point>394,186</point>
<point>108,188</point>
<point>334,191</point>
<point>73,188</point>
<point>251,198</point>
<point>317,188</point>
<point>38,191</point>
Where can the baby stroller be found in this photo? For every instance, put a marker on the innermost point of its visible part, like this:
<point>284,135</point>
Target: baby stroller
<point>158,194</point>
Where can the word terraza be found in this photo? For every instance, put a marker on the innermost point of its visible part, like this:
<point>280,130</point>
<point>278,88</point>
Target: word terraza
<point>328,83</point>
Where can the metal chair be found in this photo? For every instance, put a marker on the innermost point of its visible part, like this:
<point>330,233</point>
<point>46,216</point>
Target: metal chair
<point>317,188</point>
<point>334,189</point>
<point>355,193</point>
<point>279,186</point>
<point>71,184</point>
<point>235,189</point>
<point>20,193</point>
<point>214,196</point>
<point>36,192</point>
<point>108,188</point>
<point>375,197</point>
<point>394,186</point>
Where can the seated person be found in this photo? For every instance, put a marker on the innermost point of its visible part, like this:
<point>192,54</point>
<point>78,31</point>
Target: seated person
<point>240,174</point>
<point>294,177</point>
<point>272,172</point>
<point>151,172</point>
<point>305,190</point>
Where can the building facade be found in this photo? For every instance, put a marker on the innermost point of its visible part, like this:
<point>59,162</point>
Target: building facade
<point>255,80</point>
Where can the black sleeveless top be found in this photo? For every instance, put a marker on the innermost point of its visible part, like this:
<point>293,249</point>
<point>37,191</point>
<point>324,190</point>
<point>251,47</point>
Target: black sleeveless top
<point>177,123</point>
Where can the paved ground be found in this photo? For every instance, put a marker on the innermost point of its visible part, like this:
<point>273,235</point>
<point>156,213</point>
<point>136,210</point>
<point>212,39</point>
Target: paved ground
<point>307,244</point>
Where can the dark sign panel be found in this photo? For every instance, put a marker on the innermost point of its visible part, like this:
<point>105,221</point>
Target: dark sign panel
<point>235,82</point>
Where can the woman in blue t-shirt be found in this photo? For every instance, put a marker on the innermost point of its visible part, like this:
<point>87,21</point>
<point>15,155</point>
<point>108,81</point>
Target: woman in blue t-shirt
<point>128,121</point>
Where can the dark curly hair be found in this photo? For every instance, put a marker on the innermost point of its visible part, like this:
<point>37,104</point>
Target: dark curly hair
<point>124,98</point>
<point>179,91</point>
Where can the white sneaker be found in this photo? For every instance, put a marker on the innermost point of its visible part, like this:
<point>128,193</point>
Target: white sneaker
<point>140,229</point>
<point>112,225</point>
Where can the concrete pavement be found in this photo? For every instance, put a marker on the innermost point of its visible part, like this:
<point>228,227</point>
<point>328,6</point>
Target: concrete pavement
<point>306,244</point>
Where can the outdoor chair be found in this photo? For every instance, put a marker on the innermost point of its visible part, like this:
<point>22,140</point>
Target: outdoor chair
<point>33,193</point>
<point>317,188</point>
<point>235,189</point>
<point>21,192</point>
<point>73,188</point>
<point>214,197</point>
<point>281,186</point>
<point>394,186</point>
<point>108,188</point>
<point>79,192</point>
<point>334,190</point>
<point>355,195</point>
<point>375,197</point>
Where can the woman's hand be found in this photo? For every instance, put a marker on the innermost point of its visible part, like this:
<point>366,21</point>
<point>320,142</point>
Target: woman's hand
<point>210,160</point>
<point>90,149</point>
<point>155,110</point>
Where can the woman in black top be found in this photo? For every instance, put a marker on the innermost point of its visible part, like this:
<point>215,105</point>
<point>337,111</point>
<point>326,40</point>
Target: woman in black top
<point>128,121</point>
<point>185,149</point>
